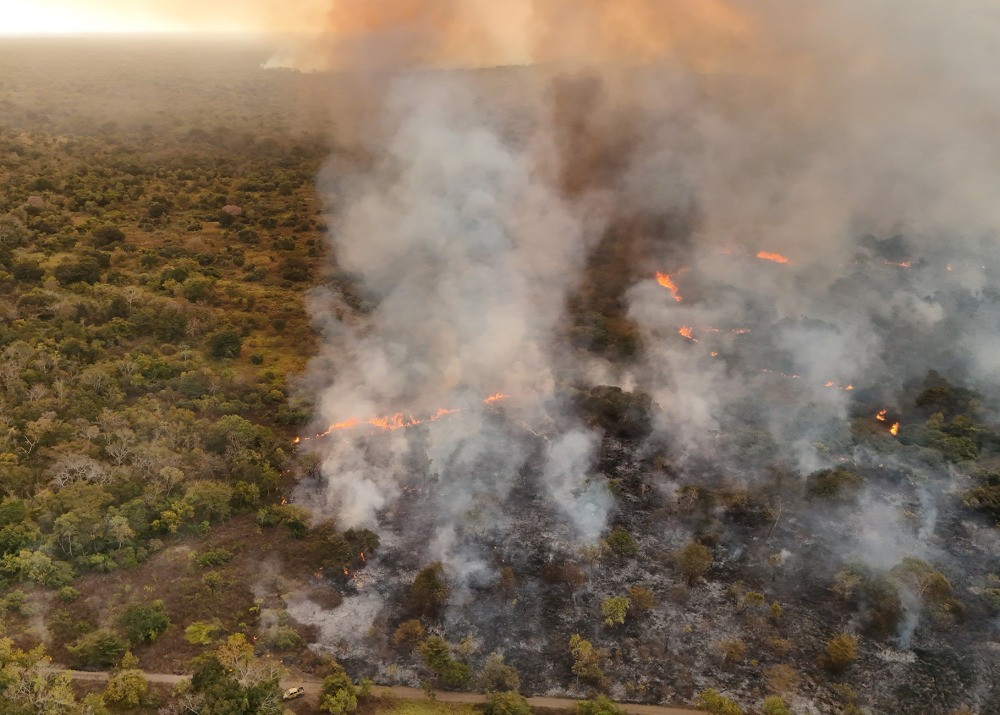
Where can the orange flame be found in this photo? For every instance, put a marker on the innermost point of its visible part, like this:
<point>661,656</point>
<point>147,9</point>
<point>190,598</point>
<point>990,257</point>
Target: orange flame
<point>397,421</point>
<point>346,572</point>
<point>775,257</point>
<point>894,430</point>
<point>283,501</point>
<point>688,332</point>
<point>835,386</point>
<point>362,556</point>
<point>904,264</point>
<point>881,415</point>
<point>667,281</point>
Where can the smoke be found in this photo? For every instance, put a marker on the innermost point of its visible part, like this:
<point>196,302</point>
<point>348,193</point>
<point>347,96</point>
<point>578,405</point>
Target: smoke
<point>854,139</point>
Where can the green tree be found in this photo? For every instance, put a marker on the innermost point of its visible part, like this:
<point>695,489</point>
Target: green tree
<point>27,271</point>
<point>773,705</point>
<point>28,685</point>
<point>586,660</point>
<point>641,599</point>
<point>233,680</point>
<point>621,543</point>
<point>225,343</point>
<point>100,648</point>
<point>436,654</point>
<point>718,704</point>
<point>601,705</point>
<point>144,623</point>
<point>408,634</point>
<point>430,590</point>
<point>496,676</point>
<point>85,269</point>
<point>107,235</point>
<point>509,702</point>
<point>339,695</point>
<point>614,610</point>
<point>209,500</point>
<point>694,561</point>
<point>127,685</point>
<point>841,651</point>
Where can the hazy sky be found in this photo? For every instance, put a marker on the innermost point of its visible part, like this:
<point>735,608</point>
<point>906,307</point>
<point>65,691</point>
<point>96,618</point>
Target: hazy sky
<point>21,17</point>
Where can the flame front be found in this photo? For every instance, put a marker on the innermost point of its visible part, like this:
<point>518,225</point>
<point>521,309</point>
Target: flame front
<point>396,421</point>
<point>667,281</point>
<point>894,430</point>
<point>688,332</point>
<point>774,257</point>
<point>881,415</point>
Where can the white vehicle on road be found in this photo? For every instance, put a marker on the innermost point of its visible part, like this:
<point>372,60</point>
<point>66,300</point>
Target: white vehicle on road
<point>293,693</point>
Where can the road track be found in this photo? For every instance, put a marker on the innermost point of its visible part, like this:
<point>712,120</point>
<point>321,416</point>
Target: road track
<point>312,687</point>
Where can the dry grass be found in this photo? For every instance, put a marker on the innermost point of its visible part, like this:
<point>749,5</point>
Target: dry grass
<point>266,564</point>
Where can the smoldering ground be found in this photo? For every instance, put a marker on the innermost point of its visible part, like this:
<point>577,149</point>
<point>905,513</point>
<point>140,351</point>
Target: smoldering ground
<point>852,141</point>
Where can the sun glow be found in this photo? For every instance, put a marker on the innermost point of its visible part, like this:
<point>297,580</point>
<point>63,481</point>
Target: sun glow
<point>69,17</point>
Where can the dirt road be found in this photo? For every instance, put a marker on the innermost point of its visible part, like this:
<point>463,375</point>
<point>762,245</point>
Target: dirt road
<point>313,686</point>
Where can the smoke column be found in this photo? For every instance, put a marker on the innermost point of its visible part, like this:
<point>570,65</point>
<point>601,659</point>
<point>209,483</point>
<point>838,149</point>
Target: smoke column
<point>853,140</point>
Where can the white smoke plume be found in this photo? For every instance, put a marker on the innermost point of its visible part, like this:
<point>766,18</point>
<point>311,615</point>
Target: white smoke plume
<point>854,139</point>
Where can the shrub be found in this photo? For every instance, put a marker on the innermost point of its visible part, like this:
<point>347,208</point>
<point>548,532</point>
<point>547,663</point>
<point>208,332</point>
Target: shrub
<point>101,648</point>
<point>614,610</point>
<point>497,677</point>
<point>833,484</point>
<point>586,660</point>
<point>430,590</point>
<point>225,343</point>
<point>85,269</point>
<point>841,651</point>
<point>622,544</point>
<point>27,271</point>
<point>718,704</point>
<point>127,686</point>
<point>339,696</point>
<point>283,638</point>
<point>213,557</point>
<point>107,235</point>
<point>694,561</point>
<point>774,705</point>
<point>144,623</point>
<point>203,632</point>
<point>642,599</point>
<point>733,650</point>
<point>436,654</point>
<point>600,705</point>
<point>508,702</point>
<point>408,634</point>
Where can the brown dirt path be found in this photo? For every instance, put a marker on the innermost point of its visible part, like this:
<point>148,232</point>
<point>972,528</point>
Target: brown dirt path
<point>312,688</point>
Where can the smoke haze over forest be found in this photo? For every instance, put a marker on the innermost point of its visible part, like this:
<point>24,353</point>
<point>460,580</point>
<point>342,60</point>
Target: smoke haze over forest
<point>852,140</point>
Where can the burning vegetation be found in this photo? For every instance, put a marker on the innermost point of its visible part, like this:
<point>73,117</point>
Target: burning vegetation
<point>663,490</point>
<point>665,496</point>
